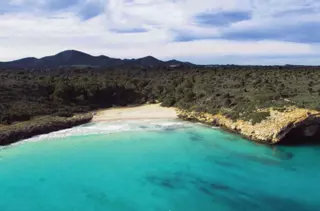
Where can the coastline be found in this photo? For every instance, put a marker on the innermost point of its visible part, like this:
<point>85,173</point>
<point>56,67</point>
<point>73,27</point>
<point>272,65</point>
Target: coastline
<point>270,131</point>
<point>301,125</point>
<point>14,133</point>
<point>42,125</point>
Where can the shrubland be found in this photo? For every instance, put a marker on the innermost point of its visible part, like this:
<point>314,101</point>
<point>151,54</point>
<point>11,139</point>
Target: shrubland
<point>235,91</point>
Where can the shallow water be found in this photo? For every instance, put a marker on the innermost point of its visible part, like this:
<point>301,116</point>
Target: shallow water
<point>156,165</point>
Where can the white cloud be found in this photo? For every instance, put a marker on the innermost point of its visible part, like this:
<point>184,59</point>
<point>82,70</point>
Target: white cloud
<point>46,32</point>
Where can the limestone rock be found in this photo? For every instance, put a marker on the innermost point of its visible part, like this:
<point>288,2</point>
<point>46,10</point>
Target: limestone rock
<point>271,130</point>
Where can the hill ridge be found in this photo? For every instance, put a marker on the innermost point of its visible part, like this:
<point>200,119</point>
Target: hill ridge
<point>78,58</point>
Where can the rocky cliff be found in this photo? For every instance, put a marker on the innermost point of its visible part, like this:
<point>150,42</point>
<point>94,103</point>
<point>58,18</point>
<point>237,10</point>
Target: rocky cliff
<point>16,132</point>
<point>272,130</point>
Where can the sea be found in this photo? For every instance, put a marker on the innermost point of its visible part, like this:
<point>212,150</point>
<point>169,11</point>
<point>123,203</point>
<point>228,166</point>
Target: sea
<point>156,165</point>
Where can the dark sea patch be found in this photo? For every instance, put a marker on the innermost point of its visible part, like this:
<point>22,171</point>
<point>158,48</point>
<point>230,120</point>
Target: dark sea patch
<point>158,126</point>
<point>196,138</point>
<point>170,129</point>
<point>143,127</point>
<point>97,196</point>
<point>166,130</point>
<point>235,198</point>
<point>268,202</point>
<point>255,158</point>
<point>281,154</point>
<point>167,182</point>
<point>232,165</point>
<point>227,136</point>
<point>246,199</point>
<point>188,181</point>
<point>218,186</point>
<point>210,186</point>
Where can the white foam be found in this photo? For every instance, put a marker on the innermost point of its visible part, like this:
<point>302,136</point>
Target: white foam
<point>112,127</point>
<point>214,127</point>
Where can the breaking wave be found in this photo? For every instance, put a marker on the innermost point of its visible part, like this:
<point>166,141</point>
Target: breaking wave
<point>114,127</point>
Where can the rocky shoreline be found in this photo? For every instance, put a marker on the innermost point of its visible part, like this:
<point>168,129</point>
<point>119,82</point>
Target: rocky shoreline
<point>295,123</point>
<point>273,130</point>
<point>42,125</point>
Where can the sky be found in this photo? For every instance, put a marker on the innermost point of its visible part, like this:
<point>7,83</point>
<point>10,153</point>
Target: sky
<point>262,32</point>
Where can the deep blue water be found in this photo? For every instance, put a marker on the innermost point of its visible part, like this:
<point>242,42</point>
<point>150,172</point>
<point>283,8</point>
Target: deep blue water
<point>156,166</point>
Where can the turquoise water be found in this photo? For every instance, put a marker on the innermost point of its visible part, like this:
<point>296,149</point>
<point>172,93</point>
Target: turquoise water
<point>156,166</point>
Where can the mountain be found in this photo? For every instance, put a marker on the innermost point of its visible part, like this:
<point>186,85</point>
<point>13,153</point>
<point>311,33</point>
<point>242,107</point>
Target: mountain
<point>78,58</point>
<point>26,62</point>
<point>178,63</point>
<point>147,61</point>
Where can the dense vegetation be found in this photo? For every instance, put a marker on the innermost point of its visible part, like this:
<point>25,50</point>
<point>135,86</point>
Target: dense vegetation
<point>236,91</point>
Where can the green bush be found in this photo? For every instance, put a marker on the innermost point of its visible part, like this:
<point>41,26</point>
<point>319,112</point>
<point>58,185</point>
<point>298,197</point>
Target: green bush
<point>168,102</point>
<point>257,117</point>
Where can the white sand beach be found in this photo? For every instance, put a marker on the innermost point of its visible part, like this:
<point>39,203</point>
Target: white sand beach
<point>152,111</point>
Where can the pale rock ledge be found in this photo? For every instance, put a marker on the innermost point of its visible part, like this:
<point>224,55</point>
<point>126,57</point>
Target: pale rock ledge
<point>279,125</point>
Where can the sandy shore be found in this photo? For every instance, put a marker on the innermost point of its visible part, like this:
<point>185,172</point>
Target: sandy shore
<point>153,111</point>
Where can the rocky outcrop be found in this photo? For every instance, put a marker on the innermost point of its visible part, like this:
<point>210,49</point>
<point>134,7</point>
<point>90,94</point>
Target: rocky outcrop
<point>16,132</point>
<point>272,130</point>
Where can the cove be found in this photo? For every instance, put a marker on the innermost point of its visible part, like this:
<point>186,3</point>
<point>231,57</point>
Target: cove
<point>156,165</point>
